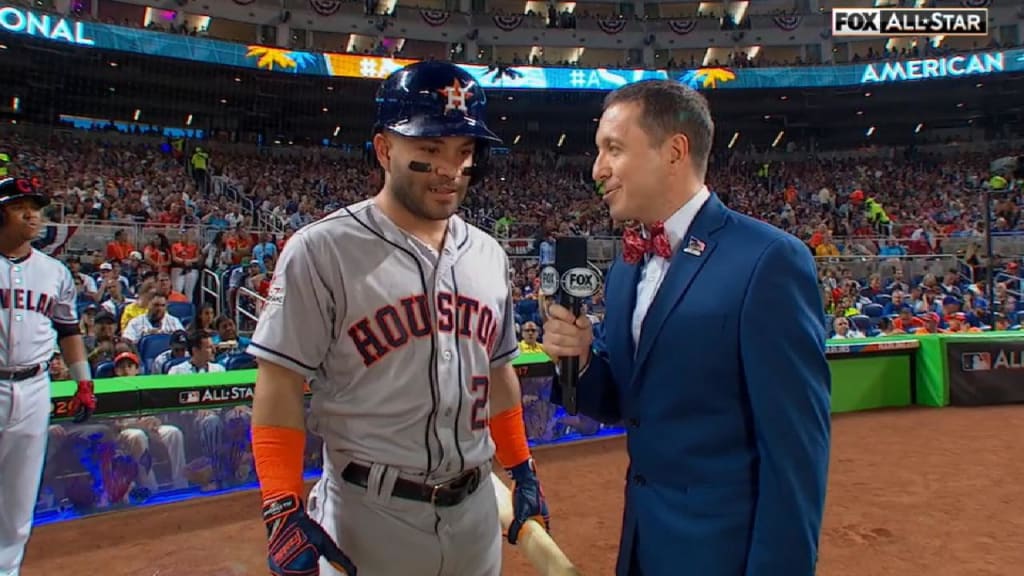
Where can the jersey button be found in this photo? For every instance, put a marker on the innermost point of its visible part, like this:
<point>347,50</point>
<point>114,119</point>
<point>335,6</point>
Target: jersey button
<point>17,318</point>
<point>447,355</point>
<point>17,280</point>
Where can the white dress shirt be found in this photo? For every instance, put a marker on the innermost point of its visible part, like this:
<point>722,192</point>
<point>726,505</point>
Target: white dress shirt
<point>190,368</point>
<point>656,268</point>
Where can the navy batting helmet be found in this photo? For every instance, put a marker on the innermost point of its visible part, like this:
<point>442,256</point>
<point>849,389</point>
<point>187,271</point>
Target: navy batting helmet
<point>14,189</point>
<point>433,99</point>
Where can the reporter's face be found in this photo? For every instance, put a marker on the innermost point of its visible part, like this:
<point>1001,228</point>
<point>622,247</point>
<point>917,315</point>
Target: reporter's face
<point>629,166</point>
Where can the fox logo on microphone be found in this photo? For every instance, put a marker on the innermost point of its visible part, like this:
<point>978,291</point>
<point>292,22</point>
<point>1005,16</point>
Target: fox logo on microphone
<point>580,282</point>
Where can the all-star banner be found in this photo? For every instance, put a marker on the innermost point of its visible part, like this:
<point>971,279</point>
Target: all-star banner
<point>48,27</point>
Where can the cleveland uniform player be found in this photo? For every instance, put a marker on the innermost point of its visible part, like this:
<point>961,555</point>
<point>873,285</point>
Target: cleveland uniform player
<point>37,298</point>
<point>401,315</point>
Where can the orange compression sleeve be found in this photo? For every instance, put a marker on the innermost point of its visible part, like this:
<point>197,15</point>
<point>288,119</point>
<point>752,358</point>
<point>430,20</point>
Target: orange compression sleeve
<point>509,434</point>
<point>278,453</point>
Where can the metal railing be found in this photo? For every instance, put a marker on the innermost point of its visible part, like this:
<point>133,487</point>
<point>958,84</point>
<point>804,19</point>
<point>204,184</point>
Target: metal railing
<point>248,306</point>
<point>886,266</point>
<point>210,290</point>
<point>224,186</point>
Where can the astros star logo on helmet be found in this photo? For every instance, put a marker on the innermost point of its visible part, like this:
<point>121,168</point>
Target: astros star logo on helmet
<point>457,96</point>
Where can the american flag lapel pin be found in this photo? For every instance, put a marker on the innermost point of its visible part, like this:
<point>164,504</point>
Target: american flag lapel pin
<point>694,247</point>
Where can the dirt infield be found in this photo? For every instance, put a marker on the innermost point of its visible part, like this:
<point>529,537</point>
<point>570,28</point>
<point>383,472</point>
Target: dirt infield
<point>912,492</point>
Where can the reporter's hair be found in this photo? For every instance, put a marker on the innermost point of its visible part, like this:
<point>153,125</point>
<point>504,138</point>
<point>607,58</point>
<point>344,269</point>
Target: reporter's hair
<point>669,108</point>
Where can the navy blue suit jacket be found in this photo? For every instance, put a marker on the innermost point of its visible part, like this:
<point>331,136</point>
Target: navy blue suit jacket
<point>726,400</point>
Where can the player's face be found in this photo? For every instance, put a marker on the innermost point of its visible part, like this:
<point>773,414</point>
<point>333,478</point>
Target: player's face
<point>631,168</point>
<point>23,219</point>
<point>437,193</point>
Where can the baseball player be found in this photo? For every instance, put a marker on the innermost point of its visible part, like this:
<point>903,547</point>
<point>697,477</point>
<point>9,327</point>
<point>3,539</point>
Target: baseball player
<point>37,298</point>
<point>400,314</point>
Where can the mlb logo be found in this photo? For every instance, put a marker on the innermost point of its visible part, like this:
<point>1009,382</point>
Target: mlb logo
<point>191,397</point>
<point>976,362</point>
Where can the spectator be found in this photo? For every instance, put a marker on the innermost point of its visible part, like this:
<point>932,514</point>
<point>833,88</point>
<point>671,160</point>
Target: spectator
<point>58,370</point>
<point>201,356</point>
<point>146,291</point>
<point>529,344</point>
<point>227,340</point>
<point>179,348</point>
<point>841,329</point>
<point>185,264</point>
<point>204,319</point>
<point>156,320</point>
<point>157,253</point>
<point>119,248</point>
<point>165,288</point>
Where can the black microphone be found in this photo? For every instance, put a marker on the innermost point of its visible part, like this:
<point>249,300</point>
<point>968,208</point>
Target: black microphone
<point>574,280</point>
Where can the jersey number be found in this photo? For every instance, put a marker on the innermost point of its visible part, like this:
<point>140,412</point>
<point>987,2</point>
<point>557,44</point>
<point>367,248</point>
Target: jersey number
<point>480,387</point>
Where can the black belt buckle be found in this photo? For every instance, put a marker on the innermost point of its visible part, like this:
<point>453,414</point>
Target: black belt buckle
<point>457,488</point>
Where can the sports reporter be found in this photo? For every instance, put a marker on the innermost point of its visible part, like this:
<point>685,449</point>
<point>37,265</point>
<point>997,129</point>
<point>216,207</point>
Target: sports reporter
<point>727,409</point>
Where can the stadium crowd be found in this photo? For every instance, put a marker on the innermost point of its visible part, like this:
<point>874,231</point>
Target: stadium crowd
<point>883,210</point>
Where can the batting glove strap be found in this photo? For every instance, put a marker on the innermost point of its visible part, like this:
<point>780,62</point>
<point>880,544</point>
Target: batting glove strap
<point>84,402</point>
<point>528,501</point>
<point>296,542</point>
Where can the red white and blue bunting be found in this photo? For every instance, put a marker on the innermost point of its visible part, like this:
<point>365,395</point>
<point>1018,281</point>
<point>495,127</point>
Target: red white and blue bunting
<point>508,23</point>
<point>325,7</point>
<point>787,22</point>
<point>682,27</point>
<point>434,17</point>
<point>611,25</point>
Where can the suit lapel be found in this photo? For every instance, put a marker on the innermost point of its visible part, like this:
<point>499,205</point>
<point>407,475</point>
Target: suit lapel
<point>693,252</point>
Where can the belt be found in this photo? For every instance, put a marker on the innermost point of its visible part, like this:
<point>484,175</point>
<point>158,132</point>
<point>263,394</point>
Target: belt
<point>20,374</point>
<point>444,495</point>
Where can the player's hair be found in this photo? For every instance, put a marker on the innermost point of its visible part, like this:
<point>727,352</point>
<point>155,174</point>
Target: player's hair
<point>669,108</point>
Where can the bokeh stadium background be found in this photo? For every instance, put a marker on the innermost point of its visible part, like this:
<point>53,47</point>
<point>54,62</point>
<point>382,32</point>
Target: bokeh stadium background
<point>219,157</point>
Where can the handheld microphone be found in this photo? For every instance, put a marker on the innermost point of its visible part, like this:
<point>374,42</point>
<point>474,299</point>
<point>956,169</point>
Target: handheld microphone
<point>574,281</point>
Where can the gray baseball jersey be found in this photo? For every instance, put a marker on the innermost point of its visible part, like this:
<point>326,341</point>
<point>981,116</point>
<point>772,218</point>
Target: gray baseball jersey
<point>36,292</point>
<point>400,340</point>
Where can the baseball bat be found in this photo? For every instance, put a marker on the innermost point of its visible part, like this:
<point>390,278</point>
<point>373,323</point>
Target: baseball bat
<point>534,541</point>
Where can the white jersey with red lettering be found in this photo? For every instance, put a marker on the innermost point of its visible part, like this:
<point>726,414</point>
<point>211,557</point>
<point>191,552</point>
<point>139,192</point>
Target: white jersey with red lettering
<point>37,295</point>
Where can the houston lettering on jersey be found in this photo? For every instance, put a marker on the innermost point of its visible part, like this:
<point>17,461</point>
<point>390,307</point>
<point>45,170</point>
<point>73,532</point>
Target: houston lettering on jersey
<point>393,326</point>
<point>30,300</point>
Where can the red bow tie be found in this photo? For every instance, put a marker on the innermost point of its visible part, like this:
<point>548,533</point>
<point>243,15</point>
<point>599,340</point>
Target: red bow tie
<point>635,245</point>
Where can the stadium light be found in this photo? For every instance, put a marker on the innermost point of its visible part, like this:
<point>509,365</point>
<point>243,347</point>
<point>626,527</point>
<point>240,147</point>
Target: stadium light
<point>870,131</point>
<point>337,130</point>
<point>137,115</point>
<point>561,140</point>
<point>188,120</point>
<point>516,139</point>
<point>732,141</point>
<point>919,127</point>
<point>16,104</point>
<point>778,138</point>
